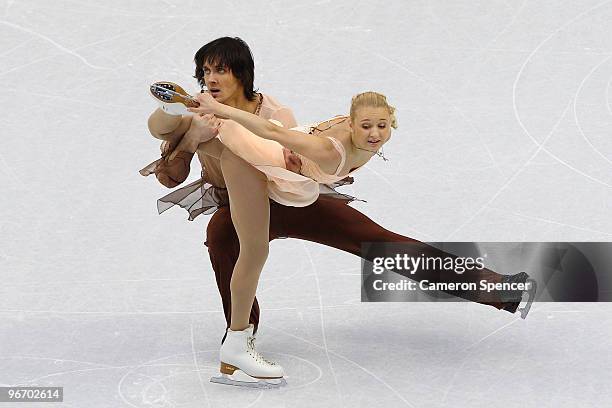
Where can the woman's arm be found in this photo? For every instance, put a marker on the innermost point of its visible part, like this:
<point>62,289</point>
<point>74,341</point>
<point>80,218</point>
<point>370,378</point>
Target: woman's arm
<point>318,149</point>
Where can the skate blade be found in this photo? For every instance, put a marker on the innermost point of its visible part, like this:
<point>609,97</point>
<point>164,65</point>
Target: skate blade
<point>241,379</point>
<point>170,93</point>
<point>531,293</point>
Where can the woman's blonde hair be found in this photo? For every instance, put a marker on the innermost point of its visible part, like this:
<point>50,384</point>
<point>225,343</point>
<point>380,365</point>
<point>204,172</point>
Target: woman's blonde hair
<point>372,99</point>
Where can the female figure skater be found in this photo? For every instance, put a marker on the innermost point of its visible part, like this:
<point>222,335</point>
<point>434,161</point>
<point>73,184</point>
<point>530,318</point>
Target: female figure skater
<point>225,67</point>
<point>252,156</point>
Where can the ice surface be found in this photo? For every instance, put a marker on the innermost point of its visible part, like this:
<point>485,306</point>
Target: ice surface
<point>505,116</point>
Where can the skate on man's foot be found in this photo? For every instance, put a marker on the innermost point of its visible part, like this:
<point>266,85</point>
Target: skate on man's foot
<point>172,98</point>
<point>242,365</point>
<point>513,299</point>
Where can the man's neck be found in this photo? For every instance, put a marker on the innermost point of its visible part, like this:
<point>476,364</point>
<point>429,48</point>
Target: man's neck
<point>242,103</point>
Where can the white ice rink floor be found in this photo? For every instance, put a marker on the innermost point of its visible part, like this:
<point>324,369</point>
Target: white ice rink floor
<point>505,115</point>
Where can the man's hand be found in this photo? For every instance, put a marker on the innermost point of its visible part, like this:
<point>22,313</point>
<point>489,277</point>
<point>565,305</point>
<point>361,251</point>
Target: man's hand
<point>166,147</point>
<point>203,128</point>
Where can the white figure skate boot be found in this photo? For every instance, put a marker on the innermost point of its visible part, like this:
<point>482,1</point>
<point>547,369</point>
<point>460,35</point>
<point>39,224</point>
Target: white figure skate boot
<point>242,365</point>
<point>172,98</point>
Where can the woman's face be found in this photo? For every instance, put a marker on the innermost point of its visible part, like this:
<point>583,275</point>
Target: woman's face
<point>371,127</point>
<point>221,83</point>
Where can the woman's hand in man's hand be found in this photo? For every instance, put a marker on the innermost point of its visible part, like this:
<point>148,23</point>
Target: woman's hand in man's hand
<point>203,128</point>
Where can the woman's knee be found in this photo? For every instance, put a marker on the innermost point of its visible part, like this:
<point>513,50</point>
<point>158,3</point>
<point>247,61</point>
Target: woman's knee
<point>254,250</point>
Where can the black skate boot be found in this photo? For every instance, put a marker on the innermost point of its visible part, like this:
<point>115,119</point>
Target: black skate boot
<point>512,299</point>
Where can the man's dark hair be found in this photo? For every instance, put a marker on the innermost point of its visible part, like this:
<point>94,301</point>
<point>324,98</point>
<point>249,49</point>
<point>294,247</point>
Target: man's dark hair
<point>232,53</point>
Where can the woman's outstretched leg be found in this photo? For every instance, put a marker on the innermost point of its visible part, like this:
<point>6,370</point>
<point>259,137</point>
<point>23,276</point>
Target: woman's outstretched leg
<point>250,211</point>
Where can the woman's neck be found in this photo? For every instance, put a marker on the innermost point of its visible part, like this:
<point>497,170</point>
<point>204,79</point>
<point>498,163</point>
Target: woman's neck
<point>341,130</point>
<point>360,156</point>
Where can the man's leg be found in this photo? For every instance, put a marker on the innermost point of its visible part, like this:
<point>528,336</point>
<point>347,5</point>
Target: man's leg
<point>329,222</point>
<point>333,223</point>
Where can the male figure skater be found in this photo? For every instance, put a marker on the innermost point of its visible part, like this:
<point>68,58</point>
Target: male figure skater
<point>328,221</point>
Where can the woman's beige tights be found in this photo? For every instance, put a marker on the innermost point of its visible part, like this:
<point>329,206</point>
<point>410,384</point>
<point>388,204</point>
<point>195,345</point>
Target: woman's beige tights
<point>250,211</point>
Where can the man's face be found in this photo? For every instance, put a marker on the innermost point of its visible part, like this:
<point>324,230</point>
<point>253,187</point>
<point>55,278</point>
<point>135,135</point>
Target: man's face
<point>221,82</point>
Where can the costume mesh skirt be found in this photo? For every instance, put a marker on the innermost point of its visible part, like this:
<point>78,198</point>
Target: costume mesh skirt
<point>201,197</point>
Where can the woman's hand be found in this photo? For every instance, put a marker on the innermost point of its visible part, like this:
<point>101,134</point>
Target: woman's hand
<point>208,104</point>
<point>203,128</point>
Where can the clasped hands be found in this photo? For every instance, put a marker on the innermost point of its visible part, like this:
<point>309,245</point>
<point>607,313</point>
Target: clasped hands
<point>204,127</point>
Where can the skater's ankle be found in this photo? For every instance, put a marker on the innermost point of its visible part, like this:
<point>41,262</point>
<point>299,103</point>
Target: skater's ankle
<point>238,327</point>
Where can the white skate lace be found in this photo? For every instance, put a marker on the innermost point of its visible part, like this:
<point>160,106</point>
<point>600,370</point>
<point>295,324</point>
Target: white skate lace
<point>255,353</point>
